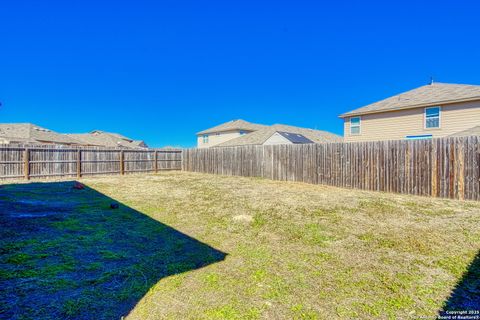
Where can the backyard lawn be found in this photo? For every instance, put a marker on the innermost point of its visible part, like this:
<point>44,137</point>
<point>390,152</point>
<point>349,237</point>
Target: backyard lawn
<point>186,245</point>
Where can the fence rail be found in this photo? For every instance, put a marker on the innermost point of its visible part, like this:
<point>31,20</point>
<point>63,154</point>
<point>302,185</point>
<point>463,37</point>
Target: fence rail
<point>53,161</point>
<point>445,167</point>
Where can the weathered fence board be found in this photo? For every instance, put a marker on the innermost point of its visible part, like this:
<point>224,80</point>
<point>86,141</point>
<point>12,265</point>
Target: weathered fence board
<point>12,163</point>
<point>55,161</point>
<point>445,167</point>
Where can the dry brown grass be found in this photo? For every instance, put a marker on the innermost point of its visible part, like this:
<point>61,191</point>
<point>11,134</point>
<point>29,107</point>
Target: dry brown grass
<point>302,251</point>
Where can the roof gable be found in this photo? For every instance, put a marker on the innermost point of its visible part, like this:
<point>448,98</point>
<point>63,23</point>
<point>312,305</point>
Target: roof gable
<point>296,138</point>
<point>433,94</point>
<point>233,125</point>
<point>112,134</point>
<point>260,136</point>
<point>107,139</point>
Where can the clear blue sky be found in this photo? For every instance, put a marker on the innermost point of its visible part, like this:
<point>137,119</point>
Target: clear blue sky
<point>163,70</point>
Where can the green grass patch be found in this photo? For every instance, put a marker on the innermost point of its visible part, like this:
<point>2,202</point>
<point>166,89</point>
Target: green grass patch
<point>293,250</point>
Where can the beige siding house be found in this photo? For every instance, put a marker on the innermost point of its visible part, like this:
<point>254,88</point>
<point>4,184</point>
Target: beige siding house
<point>435,110</point>
<point>225,132</point>
<point>240,132</point>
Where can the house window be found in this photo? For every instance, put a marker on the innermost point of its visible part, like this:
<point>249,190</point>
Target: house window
<point>242,132</point>
<point>355,125</point>
<point>432,117</point>
<point>205,138</point>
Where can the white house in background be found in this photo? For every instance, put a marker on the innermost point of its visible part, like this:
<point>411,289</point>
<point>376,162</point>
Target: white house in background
<point>240,132</point>
<point>225,132</point>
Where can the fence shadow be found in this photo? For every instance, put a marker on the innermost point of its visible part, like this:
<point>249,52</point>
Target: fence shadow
<point>466,294</point>
<point>65,253</point>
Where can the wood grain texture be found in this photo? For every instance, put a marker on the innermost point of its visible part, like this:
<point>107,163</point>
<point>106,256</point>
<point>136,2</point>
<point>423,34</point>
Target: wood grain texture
<point>55,161</point>
<point>444,167</point>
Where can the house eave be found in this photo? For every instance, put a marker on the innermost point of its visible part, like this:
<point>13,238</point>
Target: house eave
<point>420,105</point>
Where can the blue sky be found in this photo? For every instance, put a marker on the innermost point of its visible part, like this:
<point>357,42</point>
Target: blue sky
<point>163,70</point>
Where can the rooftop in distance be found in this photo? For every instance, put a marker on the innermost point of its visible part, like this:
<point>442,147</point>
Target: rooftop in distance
<point>28,133</point>
<point>424,96</point>
<point>240,132</point>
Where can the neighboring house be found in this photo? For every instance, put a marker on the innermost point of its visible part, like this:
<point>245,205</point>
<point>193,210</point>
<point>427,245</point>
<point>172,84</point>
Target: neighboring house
<point>27,133</point>
<point>224,132</point>
<point>280,137</point>
<point>106,139</point>
<point>435,110</point>
<point>266,135</point>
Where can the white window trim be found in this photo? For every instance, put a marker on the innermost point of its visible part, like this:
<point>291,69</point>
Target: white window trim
<point>439,118</point>
<point>205,138</point>
<point>359,126</point>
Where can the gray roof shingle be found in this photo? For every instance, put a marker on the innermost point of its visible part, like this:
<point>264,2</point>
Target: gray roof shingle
<point>27,133</point>
<point>31,133</point>
<point>260,136</point>
<point>432,94</point>
<point>233,125</point>
<point>106,139</point>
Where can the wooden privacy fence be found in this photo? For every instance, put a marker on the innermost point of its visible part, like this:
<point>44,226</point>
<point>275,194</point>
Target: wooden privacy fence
<point>31,162</point>
<point>446,167</point>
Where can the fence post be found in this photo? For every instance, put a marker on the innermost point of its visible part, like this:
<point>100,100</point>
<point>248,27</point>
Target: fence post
<point>79,163</point>
<point>122,163</point>
<point>182,159</point>
<point>460,174</point>
<point>155,164</point>
<point>26,163</point>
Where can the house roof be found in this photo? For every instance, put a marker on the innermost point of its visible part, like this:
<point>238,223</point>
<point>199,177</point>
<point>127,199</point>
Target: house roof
<point>294,137</point>
<point>107,139</point>
<point>429,95</point>
<point>233,125</point>
<point>139,143</point>
<point>31,133</point>
<point>260,136</point>
<point>474,131</point>
<point>119,136</point>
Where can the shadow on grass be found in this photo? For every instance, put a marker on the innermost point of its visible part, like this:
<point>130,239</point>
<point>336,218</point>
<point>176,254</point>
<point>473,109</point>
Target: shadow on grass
<point>466,294</point>
<point>64,253</point>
